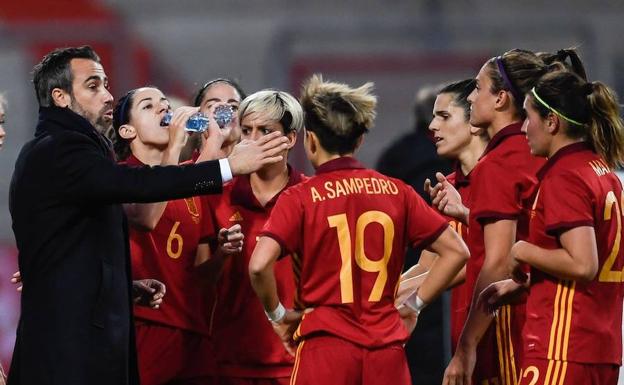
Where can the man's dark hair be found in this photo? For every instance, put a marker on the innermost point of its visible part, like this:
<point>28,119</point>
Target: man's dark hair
<point>54,71</point>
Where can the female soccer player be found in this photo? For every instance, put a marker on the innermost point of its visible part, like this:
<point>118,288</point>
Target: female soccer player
<point>248,352</point>
<point>573,330</point>
<point>347,229</point>
<point>455,139</point>
<point>167,240</point>
<point>216,92</point>
<point>502,188</point>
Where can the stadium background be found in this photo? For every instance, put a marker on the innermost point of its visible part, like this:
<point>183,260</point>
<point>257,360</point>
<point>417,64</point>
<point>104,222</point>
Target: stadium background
<point>401,45</point>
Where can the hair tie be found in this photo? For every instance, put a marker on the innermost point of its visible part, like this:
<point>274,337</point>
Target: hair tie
<point>508,84</point>
<point>543,103</point>
<point>588,88</point>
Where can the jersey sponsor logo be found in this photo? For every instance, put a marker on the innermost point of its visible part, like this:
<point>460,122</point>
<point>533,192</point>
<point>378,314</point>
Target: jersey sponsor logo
<point>236,217</point>
<point>192,209</point>
<point>343,187</point>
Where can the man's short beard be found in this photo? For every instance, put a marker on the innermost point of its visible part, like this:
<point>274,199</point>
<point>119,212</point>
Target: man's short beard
<point>101,124</point>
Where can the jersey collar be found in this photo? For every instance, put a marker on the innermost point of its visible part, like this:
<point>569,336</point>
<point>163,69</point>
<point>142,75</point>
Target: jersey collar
<point>242,193</point>
<point>342,163</point>
<point>561,153</point>
<point>500,136</point>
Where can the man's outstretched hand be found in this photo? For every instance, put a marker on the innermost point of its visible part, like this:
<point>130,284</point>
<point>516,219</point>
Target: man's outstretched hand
<point>249,156</point>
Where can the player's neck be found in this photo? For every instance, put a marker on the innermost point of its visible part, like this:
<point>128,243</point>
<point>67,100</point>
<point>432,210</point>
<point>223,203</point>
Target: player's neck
<point>148,155</point>
<point>500,121</point>
<point>324,157</point>
<point>559,142</point>
<point>269,181</point>
<point>470,155</point>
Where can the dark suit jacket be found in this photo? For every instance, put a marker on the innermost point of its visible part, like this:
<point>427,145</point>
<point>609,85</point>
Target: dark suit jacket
<point>76,323</point>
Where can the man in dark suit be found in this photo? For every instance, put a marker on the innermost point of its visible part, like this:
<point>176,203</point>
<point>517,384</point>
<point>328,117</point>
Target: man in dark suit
<point>76,313</point>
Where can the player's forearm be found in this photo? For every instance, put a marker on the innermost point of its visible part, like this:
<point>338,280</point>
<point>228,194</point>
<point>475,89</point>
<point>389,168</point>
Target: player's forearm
<point>478,321</point>
<point>556,262</point>
<point>210,268</point>
<point>442,274</point>
<point>459,278</point>
<point>211,149</point>
<point>263,283</point>
<point>144,216</point>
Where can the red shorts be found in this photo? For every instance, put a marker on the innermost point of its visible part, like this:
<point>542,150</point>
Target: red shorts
<point>253,381</point>
<point>173,356</point>
<point>499,352</point>
<point>537,371</point>
<point>332,360</point>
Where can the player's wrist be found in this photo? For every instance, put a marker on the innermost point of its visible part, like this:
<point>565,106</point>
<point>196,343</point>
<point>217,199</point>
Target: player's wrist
<point>278,314</point>
<point>415,303</point>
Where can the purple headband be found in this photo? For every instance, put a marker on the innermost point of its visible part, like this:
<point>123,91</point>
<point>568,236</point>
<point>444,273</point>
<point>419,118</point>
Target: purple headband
<point>506,80</point>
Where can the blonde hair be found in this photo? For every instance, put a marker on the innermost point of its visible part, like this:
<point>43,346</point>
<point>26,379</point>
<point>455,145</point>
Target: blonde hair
<point>338,114</point>
<point>3,101</point>
<point>339,107</point>
<point>276,105</point>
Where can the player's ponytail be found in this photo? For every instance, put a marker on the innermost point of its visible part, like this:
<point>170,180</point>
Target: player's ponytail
<point>588,111</point>
<point>606,127</point>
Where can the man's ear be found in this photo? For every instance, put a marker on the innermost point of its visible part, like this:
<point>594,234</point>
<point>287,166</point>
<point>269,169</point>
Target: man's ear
<point>127,132</point>
<point>61,98</point>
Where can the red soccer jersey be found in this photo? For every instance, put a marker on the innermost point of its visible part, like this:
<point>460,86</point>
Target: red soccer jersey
<point>569,320</point>
<point>167,253</point>
<point>348,228</point>
<point>503,187</point>
<point>245,342</point>
<point>460,294</point>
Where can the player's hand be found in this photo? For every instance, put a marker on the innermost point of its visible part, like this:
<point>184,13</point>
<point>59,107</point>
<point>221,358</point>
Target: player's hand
<point>16,279</point>
<point>515,258</point>
<point>148,292</point>
<point>408,287</point>
<point>446,199</point>
<point>249,156</point>
<point>230,240</point>
<point>216,138</point>
<point>498,294</point>
<point>177,132</point>
<point>285,329</point>
<point>3,376</point>
<point>409,317</point>
<point>459,370</point>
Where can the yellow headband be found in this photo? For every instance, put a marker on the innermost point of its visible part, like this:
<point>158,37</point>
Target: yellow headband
<point>543,103</point>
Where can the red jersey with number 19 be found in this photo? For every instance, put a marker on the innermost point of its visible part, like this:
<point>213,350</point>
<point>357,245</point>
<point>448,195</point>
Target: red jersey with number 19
<point>572,320</point>
<point>347,229</point>
<point>167,253</point>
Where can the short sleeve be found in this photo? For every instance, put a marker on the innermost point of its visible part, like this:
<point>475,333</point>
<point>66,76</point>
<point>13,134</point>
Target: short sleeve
<point>285,225</point>
<point>567,203</point>
<point>495,193</point>
<point>424,224</point>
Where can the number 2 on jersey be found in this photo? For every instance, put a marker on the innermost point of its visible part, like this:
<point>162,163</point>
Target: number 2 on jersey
<point>606,272</point>
<point>341,224</point>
